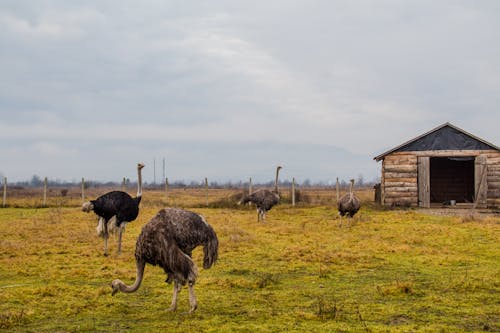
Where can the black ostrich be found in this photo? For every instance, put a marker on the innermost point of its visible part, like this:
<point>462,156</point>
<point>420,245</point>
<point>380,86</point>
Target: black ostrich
<point>168,241</point>
<point>264,199</point>
<point>115,209</point>
<point>349,204</point>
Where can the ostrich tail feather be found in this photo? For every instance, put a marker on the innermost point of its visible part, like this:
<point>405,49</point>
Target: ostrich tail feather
<point>210,251</point>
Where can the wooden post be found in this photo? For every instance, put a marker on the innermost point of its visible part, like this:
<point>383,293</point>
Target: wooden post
<point>206,189</point>
<point>337,186</point>
<point>250,189</point>
<point>4,191</point>
<point>83,190</point>
<point>124,184</point>
<point>45,191</point>
<point>293,191</point>
<point>166,189</point>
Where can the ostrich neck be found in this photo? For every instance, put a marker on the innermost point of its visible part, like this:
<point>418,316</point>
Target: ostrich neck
<point>350,190</point>
<point>140,274</point>
<point>139,182</point>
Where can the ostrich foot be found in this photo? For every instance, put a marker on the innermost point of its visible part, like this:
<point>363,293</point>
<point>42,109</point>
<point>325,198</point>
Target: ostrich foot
<point>193,308</point>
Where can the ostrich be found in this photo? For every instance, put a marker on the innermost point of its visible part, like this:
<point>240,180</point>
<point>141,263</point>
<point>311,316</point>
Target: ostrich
<point>264,199</point>
<point>115,209</point>
<point>168,241</point>
<point>349,204</point>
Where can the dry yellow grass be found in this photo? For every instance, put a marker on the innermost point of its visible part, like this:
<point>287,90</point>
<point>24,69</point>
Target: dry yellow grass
<point>386,271</point>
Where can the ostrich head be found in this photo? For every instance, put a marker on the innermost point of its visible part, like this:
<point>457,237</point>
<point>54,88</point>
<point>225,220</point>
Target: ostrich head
<point>140,166</point>
<point>88,206</point>
<point>115,285</point>
<point>352,185</point>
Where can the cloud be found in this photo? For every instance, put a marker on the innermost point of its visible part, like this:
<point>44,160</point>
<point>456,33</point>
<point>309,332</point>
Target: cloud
<point>354,75</point>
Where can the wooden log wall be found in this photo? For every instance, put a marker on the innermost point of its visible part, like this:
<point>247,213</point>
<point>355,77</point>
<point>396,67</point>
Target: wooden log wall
<point>400,180</point>
<point>493,179</point>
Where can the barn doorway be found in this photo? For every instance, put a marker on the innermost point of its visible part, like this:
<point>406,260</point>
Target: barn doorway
<point>451,178</point>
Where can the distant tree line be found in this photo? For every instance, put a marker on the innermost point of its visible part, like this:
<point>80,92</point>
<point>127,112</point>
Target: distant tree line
<point>37,181</point>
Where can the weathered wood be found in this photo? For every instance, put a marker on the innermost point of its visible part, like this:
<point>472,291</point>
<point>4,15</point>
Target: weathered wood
<point>402,160</point>
<point>480,184</point>
<point>408,154</point>
<point>83,190</point>
<point>250,189</point>
<point>401,201</point>
<point>401,168</point>
<point>400,175</point>
<point>166,189</point>
<point>402,180</point>
<point>493,202</point>
<point>206,190</point>
<point>424,183</point>
<point>4,201</point>
<point>401,189</point>
<point>493,168</point>
<point>493,193</point>
<point>494,160</point>
<point>382,184</point>
<point>401,196</point>
<point>389,184</point>
<point>45,182</point>
<point>494,184</point>
<point>452,153</point>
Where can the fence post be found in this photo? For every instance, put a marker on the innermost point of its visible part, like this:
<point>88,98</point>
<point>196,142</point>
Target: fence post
<point>166,189</point>
<point>206,189</point>
<point>45,192</point>
<point>4,191</point>
<point>250,189</point>
<point>293,191</point>
<point>338,190</point>
<point>83,190</point>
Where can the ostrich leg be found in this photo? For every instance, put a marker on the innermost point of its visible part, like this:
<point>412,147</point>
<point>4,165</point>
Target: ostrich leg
<point>105,236</point>
<point>192,298</point>
<point>177,288</point>
<point>121,229</point>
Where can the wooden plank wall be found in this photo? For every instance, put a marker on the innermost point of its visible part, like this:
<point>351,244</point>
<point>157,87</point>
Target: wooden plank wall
<point>400,179</point>
<point>493,179</point>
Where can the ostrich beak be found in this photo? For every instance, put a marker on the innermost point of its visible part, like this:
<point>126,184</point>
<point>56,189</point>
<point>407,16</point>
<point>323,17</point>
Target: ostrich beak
<point>115,290</point>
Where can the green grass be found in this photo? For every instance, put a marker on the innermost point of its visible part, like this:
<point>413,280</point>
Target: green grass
<point>384,271</point>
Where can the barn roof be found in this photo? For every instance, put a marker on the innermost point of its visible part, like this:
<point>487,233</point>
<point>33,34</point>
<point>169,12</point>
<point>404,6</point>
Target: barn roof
<point>443,137</point>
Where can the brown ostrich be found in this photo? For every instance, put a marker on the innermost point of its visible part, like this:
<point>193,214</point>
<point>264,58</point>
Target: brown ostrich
<point>264,199</point>
<point>168,241</point>
<point>349,204</point>
<point>115,209</point>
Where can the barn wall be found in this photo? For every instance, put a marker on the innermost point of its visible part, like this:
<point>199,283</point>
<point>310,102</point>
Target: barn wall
<point>399,180</point>
<point>493,179</point>
<point>399,177</point>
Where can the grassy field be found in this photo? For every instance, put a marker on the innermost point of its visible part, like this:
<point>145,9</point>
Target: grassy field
<point>386,271</point>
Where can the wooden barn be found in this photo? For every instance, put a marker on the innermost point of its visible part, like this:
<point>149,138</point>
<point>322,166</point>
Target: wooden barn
<point>445,166</point>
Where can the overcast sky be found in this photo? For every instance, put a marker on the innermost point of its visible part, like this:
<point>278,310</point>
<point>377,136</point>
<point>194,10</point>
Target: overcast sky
<point>230,89</point>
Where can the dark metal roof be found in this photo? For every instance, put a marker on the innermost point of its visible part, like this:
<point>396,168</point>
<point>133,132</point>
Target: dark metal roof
<point>443,137</point>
